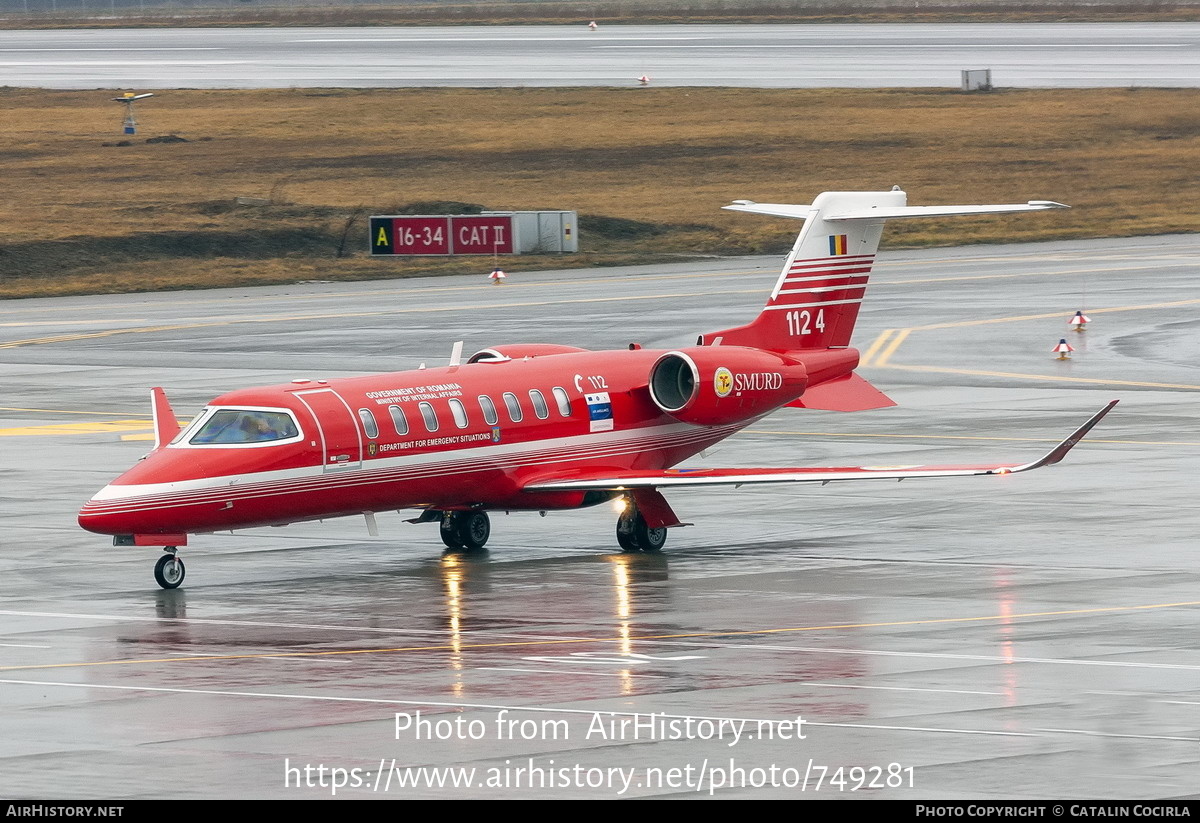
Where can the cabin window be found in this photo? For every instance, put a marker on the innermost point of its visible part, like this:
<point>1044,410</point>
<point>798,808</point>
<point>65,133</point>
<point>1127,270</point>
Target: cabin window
<point>430,417</point>
<point>514,407</point>
<point>539,404</point>
<point>489,410</point>
<point>398,419</point>
<point>230,426</point>
<point>564,403</point>
<point>369,424</point>
<point>460,413</point>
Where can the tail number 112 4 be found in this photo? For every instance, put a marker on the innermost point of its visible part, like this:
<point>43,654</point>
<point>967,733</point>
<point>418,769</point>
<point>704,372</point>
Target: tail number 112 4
<point>802,322</point>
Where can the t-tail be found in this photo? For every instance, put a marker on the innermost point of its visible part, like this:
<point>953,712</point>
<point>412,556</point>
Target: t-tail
<point>812,309</point>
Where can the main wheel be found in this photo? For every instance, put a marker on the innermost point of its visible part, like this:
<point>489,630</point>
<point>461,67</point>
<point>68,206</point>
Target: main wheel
<point>648,539</point>
<point>169,571</point>
<point>626,538</point>
<point>474,529</point>
<point>450,531</point>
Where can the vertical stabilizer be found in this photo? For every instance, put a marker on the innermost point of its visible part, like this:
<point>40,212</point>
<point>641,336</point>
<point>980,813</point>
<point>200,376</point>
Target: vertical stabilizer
<point>815,300</point>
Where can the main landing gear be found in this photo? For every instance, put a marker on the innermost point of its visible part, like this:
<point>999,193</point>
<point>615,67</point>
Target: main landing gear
<point>169,570</point>
<point>465,530</point>
<point>634,535</point>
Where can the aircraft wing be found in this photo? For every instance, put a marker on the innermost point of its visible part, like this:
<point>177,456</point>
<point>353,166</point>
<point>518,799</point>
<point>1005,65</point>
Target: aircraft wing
<point>675,478</point>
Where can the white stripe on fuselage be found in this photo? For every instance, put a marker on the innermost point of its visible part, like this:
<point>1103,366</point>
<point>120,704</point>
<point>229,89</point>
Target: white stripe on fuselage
<point>502,455</point>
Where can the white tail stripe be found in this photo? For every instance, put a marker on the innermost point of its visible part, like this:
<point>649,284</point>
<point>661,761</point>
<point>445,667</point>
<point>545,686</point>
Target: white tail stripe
<point>837,258</point>
<point>811,305</point>
<point>833,264</point>
<point>828,270</point>
<point>802,273</point>
<point>825,289</point>
<point>849,291</point>
<point>825,277</point>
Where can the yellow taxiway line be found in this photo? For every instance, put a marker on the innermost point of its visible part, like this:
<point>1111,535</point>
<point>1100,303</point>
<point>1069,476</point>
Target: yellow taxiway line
<point>886,353</point>
<point>873,349</point>
<point>879,353</point>
<point>69,411</point>
<point>91,427</point>
<point>459,647</point>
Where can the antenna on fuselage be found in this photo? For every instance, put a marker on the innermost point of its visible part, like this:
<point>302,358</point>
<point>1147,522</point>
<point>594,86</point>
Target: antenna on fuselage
<point>456,354</point>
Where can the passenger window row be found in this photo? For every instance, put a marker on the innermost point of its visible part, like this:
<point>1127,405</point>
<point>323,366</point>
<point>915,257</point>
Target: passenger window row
<point>458,411</point>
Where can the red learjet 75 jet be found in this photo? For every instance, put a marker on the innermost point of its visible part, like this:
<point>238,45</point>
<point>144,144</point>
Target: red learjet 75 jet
<point>534,426</point>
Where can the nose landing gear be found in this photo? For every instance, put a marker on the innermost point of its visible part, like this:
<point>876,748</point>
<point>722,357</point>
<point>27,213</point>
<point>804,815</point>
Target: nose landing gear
<point>169,570</point>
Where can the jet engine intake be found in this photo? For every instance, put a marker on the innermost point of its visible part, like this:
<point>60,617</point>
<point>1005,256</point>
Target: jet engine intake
<point>713,385</point>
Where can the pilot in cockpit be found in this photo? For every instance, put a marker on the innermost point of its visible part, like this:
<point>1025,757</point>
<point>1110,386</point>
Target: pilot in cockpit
<point>257,428</point>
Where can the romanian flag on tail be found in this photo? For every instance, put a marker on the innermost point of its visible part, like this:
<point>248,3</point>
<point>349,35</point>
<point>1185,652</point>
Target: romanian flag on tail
<point>837,244</point>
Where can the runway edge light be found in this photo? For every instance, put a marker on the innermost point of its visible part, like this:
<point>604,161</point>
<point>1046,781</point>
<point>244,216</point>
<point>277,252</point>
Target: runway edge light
<point>1080,321</point>
<point>1064,349</point>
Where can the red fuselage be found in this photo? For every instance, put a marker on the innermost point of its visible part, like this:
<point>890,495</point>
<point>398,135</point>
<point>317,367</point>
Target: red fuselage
<point>454,438</point>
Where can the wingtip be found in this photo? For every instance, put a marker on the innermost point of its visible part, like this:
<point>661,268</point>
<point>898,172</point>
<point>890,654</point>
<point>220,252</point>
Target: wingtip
<point>1061,450</point>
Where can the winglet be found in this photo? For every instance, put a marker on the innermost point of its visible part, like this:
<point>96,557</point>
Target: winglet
<point>165,424</point>
<point>1060,451</point>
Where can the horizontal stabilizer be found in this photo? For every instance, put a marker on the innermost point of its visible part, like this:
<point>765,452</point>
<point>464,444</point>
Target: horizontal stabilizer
<point>803,212</point>
<point>683,478</point>
<point>847,393</point>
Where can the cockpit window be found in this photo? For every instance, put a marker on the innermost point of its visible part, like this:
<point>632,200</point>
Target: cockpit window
<point>188,430</point>
<point>230,426</point>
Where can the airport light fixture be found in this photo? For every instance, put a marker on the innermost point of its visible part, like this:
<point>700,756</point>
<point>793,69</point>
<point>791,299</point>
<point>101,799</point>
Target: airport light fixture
<point>128,98</point>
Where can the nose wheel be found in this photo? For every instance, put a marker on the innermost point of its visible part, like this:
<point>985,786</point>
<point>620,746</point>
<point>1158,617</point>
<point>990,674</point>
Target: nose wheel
<point>633,535</point>
<point>169,570</point>
<point>466,530</point>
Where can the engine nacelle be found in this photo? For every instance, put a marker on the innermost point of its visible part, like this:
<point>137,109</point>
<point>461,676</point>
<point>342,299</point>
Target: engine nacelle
<point>712,385</point>
<point>517,351</point>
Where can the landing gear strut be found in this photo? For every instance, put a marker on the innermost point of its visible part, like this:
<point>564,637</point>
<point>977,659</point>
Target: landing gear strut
<point>634,535</point>
<point>466,530</point>
<point>169,570</point>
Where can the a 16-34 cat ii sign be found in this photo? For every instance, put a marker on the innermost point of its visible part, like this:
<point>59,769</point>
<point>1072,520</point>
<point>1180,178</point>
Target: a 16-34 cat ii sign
<point>497,233</point>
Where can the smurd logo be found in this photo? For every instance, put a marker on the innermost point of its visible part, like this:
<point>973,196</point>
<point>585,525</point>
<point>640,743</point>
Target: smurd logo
<point>723,382</point>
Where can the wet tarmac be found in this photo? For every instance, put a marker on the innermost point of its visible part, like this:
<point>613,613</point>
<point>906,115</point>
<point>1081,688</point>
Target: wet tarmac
<point>1030,636</point>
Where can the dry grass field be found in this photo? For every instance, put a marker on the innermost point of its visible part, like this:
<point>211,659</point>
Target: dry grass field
<point>647,169</point>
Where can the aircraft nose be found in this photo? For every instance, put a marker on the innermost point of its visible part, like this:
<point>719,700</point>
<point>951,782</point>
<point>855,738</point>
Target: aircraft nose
<point>107,514</point>
<point>94,517</point>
